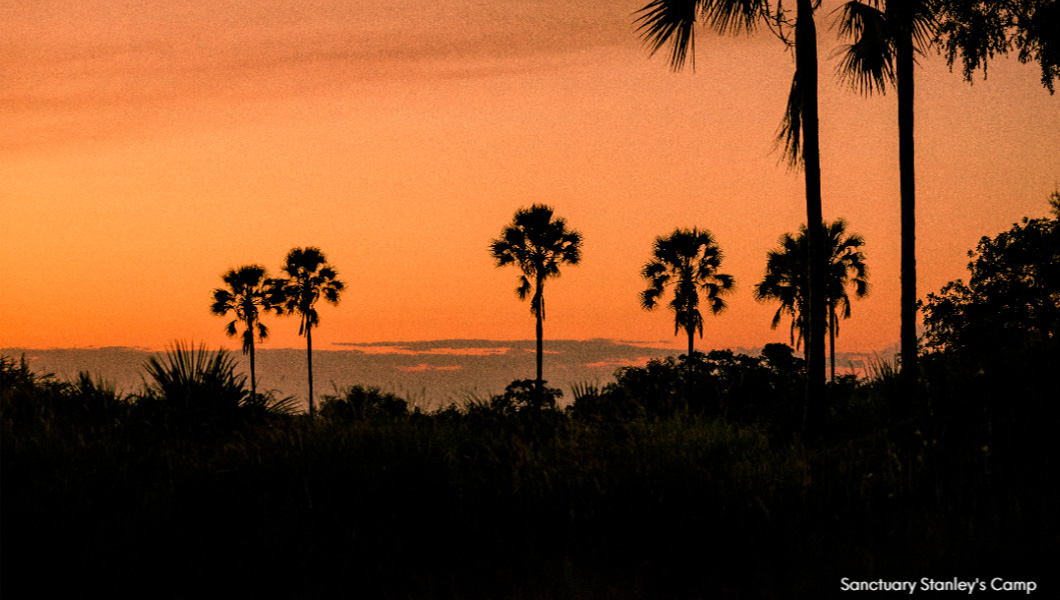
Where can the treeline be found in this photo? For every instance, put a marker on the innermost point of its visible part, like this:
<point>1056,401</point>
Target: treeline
<point>687,477</point>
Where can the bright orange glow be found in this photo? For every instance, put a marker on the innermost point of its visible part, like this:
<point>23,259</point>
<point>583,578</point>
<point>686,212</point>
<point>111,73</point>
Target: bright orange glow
<point>149,147</point>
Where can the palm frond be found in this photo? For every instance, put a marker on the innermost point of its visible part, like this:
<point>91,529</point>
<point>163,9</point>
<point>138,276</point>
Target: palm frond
<point>673,22</point>
<point>734,16</point>
<point>867,63</point>
<point>789,134</point>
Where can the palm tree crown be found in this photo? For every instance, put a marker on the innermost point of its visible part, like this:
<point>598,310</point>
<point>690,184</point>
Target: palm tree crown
<point>785,279</point>
<point>246,297</point>
<point>309,278</point>
<point>688,260</point>
<point>538,243</point>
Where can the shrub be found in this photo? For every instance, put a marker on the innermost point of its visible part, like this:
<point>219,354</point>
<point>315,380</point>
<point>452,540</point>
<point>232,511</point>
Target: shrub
<point>360,403</point>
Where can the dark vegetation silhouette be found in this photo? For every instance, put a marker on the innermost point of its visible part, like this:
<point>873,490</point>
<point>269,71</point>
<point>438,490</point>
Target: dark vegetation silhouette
<point>538,244</point>
<point>972,33</point>
<point>687,261</point>
<point>686,477</point>
<point>785,279</point>
<point>885,37</point>
<point>637,486</point>
<point>246,298</point>
<point>993,343</point>
<point>309,279</point>
<point>673,22</point>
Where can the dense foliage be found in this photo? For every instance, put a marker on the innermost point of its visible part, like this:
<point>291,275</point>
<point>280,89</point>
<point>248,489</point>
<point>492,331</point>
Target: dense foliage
<point>994,342</point>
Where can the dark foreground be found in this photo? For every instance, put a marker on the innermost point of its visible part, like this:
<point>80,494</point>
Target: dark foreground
<point>152,497</point>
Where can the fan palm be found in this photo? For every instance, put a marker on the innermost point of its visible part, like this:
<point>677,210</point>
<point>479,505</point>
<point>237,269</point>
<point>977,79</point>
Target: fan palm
<point>246,297</point>
<point>673,22</point>
<point>884,38</point>
<point>538,243</point>
<point>687,260</point>
<point>309,278</point>
<point>785,279</point>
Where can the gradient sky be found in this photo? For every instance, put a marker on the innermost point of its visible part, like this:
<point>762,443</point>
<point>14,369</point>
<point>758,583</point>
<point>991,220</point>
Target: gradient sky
<point>146,147</point>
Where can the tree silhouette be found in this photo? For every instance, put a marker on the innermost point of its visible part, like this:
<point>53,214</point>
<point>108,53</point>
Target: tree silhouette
<point>309,278</point>
<point>245,298</point>
<point>785,279</point>
<point>1013,292</point>
<point>538,244</point>
<point>687,260</point>
<point>884,37</point>
<point>673,21</point>
<point>976,31</point>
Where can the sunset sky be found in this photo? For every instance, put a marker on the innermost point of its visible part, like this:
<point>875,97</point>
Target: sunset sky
<point>146,147</point>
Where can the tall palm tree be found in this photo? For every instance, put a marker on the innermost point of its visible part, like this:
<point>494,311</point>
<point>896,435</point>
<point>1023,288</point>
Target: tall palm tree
<point>538,244</point>
<point>673,21</point>
<point>785,279</point>
<point>245,298</point>
<point>309,278</point>
<point>884,38</point>
<point>687,260</point>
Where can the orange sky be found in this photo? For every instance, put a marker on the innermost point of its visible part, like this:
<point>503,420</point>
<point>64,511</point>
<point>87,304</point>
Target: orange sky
<point>148,147</point>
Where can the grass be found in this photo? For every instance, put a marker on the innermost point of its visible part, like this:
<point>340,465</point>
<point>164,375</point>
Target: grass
<point>501,502</point>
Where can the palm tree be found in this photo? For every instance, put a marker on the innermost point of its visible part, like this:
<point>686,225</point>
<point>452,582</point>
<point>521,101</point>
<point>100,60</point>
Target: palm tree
<point>309,278</point>
<point>885,36</point>
<point>538,244</point>
<point>673,21</point>
<point>246,298</point>
<point>785,279</point>
<point>688,260</point>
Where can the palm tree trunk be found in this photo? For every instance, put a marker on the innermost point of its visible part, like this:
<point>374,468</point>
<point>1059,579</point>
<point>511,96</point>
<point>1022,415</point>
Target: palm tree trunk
<point>691,342</point>
<point>907,184</point>
<point>831,337</point>
<point>253,379</point>
<point>539,385</point>
<point>688,365</point>
<point>806,67</point>
<point>309,363</point>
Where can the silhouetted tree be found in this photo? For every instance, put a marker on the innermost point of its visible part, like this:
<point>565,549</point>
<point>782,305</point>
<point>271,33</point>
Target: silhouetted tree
<point>309,278</point>
<point>538,244</point>
<point>884,38</point>
<point>688,261</point>
<point>993,344</point>
<point>1013,292</point>
<point>673,21</point>
<point>245,298</point>
<point>785,279</point>
<point>976,31</point>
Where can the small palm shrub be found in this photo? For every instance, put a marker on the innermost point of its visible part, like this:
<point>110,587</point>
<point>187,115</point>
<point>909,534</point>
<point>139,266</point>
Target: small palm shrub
<point>194,390</point>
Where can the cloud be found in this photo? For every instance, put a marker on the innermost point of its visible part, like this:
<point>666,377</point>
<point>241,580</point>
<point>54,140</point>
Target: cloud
<point>101,70</point>
<point>426,367</point>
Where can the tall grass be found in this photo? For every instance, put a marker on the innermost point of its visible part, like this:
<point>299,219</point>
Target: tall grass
<point>494,500</point>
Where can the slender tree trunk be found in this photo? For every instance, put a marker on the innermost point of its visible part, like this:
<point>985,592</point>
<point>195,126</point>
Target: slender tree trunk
<point>907,182</point>
<point>539,386</point>
<point>806,68</point>
<point>831,337</point>
<point>309,364</point>
<point>688,365</point>
<point>253,379</point>
<point>691,343</point>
